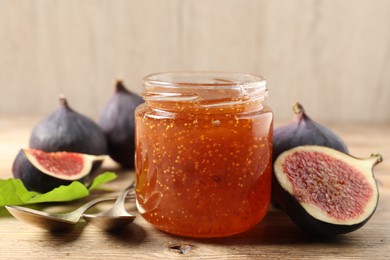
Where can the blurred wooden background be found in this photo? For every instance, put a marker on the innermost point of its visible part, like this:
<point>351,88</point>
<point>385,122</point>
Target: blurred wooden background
<point>331,55</point>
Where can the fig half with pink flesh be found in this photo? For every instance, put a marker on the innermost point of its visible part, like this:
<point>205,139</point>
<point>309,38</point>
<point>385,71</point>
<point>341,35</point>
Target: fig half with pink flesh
<point>324,191</point>
<point>43,171</point>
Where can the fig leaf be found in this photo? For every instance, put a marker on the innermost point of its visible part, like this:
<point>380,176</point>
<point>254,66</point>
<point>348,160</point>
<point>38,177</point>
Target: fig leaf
<point>102,179</point>
<point>13,192</point>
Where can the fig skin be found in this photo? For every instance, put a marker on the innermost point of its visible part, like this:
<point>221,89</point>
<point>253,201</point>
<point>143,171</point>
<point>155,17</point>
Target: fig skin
<point>67,130</point>
<point>303,219</point>
<point>118,123</point>
<point>304,131</point>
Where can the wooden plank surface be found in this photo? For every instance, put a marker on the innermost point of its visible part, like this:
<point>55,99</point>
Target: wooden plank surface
<point>334,51</point>
<point>274,238</point>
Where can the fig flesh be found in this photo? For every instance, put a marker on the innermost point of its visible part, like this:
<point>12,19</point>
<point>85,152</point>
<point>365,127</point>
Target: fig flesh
<point>67,130</point>
<point>41,171</point>
<point>324,191</point>
<point>117,122</point>
<point>304,131</point>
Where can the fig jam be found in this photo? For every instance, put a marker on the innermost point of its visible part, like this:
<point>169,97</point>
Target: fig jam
<point>203,153</point>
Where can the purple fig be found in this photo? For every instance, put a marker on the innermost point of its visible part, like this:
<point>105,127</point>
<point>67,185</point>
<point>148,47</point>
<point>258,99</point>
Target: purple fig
<point>67,130</point>
<point>117,123</point>
<point>304,131</point>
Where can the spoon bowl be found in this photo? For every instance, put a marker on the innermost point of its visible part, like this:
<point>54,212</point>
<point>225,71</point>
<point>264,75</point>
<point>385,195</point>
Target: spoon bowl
<point>52,222</point>
<point>114,218</point>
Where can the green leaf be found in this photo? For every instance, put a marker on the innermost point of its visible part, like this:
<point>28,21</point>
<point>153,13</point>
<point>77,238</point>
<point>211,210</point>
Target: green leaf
<point>13,192</point>
<point>102,179</point>
<point>73,191</point>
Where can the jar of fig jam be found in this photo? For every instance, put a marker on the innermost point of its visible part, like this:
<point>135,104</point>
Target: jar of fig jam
<point>203,152</point>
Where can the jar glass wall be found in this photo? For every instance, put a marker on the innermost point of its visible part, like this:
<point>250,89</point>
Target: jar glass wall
<point>203,152</point>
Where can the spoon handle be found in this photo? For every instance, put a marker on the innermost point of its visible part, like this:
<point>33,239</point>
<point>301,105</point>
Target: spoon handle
<point>119,206</point>
<point>122,196</point>
<point>76,214</point>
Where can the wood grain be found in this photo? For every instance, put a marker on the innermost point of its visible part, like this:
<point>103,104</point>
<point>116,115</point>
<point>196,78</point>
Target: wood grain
<point>333,56</point>
<point>276,237</point>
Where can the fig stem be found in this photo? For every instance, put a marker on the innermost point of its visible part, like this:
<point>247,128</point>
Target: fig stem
<point>298,108</point>
<point>63,101</point>
<point>376,158</point>
<point>119,86</point>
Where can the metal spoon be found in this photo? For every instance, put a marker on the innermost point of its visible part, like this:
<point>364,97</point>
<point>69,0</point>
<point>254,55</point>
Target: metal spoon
<point>114,218</point>
<point>52,222</point>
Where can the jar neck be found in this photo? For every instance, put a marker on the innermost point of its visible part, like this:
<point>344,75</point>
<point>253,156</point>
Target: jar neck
<point>204,90</point>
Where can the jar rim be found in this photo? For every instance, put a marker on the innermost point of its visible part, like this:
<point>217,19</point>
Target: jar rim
<point>213,88</point>
<point>204,79</point>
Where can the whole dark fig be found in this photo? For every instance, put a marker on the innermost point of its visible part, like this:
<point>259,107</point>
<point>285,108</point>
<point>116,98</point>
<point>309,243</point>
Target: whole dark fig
<point>324,191</point>
<point>67,130</point>
<point>304,131</point>
<point>41,171</point>
<point>117,122</point>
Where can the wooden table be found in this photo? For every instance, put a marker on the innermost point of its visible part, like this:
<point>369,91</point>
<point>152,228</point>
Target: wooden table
<point>275,237</point>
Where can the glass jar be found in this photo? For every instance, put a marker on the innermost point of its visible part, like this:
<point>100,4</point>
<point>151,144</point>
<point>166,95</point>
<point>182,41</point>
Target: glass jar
<point>203,152</point>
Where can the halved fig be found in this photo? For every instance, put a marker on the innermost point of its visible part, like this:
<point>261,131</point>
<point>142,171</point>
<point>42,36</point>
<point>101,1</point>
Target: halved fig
<point>324,191</point>
<point>42,171</point>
